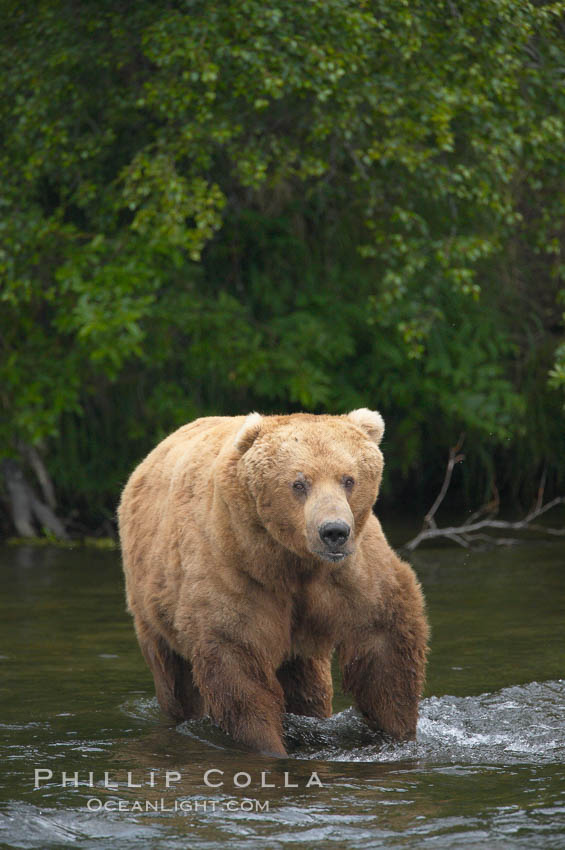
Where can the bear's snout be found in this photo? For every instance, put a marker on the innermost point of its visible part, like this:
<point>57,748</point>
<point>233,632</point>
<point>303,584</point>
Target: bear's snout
<point>334,534</point>
<point>329,525</point>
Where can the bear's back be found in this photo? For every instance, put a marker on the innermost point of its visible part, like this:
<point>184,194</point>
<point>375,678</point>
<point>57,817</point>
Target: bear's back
<point>174,479</point>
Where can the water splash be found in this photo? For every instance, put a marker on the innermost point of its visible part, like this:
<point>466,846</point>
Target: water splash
<point>520,724</point>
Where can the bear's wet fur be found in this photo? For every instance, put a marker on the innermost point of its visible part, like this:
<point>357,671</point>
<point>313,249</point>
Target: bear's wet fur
<point>251,553</point>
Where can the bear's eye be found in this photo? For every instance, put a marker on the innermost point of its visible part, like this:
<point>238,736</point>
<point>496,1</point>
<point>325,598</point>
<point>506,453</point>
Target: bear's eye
<point>348,482</point>
<point>299,486</point>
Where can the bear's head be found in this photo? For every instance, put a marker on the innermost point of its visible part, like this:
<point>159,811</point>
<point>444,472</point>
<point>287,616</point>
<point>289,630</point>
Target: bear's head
<point>313,479</point>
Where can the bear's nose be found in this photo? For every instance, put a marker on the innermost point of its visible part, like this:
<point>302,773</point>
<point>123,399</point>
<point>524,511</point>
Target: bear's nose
<point>334,533</point>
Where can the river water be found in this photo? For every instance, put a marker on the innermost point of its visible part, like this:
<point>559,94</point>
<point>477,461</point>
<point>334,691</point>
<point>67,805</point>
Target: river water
<point>487,769</point>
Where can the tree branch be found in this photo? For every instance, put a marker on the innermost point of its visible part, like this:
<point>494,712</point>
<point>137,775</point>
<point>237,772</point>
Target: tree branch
<point>469,532</point>
<point>26,507</point>
<point>454,458</point>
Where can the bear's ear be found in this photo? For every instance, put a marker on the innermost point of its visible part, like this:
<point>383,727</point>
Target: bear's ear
<point>370,421</point>
<point>248,432</point>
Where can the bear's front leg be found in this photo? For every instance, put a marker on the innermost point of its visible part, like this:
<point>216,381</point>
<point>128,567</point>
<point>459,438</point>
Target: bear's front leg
<point>241,694</point>
<point>307,686</point>
<point>383,661</point>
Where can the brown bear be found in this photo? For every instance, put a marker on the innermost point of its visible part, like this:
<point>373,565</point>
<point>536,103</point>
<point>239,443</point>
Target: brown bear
<point>250,553</point>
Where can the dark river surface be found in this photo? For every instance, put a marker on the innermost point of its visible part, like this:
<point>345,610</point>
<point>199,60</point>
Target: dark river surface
<point>487,769</point>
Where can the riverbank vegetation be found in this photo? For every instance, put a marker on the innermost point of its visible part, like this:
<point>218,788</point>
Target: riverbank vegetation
<point>212,208</point>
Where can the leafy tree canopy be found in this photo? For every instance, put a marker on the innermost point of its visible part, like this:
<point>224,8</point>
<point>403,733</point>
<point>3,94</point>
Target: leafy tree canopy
<point>208,207</point>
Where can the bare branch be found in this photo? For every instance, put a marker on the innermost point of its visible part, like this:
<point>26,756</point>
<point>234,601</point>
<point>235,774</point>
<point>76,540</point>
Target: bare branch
<point>27,508</point>
<point>489,509</point>
<point>470,532</point>
<point>454,458</point>
<point>36,463</point>
<point>541,489</point>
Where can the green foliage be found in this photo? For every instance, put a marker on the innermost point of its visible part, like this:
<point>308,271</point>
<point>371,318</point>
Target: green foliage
<point>213,207</point>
